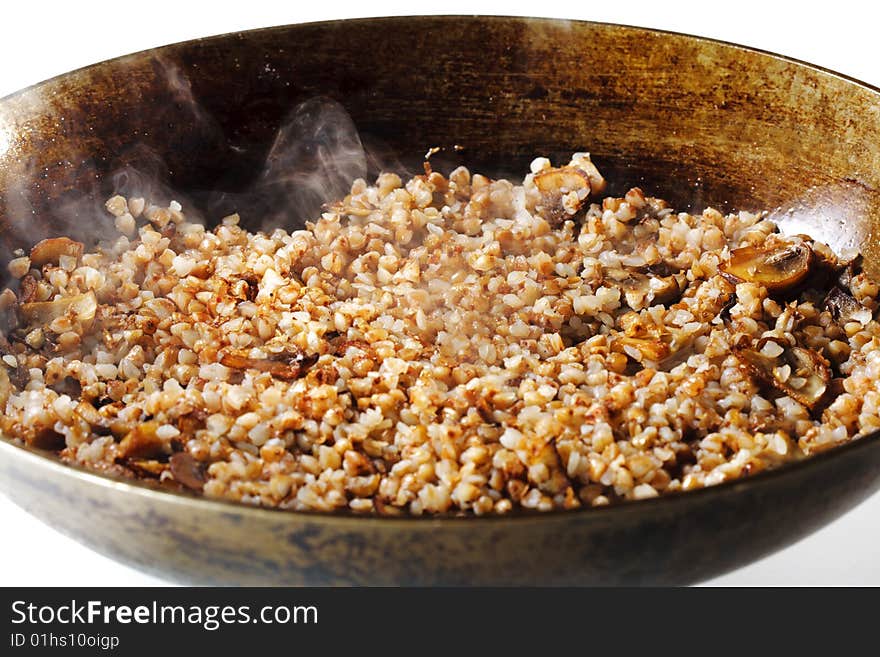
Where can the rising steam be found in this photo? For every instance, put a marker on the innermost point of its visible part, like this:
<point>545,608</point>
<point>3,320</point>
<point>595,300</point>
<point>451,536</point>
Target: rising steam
<point>316,155</point>
<point>314,159</point>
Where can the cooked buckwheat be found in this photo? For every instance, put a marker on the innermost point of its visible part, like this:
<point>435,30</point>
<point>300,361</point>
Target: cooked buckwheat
<point>440,345</point>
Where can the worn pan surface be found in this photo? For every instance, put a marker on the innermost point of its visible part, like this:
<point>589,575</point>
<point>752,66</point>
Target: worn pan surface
<point>696,121</point>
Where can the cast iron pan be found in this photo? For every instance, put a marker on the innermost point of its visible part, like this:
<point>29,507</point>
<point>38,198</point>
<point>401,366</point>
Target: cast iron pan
<point>694,121</point>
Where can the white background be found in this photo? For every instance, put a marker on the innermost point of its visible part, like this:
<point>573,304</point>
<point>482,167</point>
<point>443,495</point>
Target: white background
<point>42,39</point>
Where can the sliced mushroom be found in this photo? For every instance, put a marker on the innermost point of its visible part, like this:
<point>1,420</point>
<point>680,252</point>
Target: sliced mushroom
<point>635,291</point>
<point>640,290</point>
<point>142,442</point>
<point>778,268</point>
<point>247,287</point>
<point>825,268</point>
<point>18,376</point>
<point>813,369</point>
<point>800,373</point>
<point>285,365</point>
<point>564,190</point>
<point>850,270</point>
<point>642,340</point>
<point>147,467</point>
<point>187,470</point>
<point>661,269</point>
<point>583,162</point>
<point>844,308</point>
<point>563,180</point>
<point>49,251</point>
<point>67,386</point>
<point>83,306</point>
<point>668,289</point>
<point>47,438</point>
<point>835,390</point>
<point>191,422</point>
<point>87,412</point>
<point>641,349</point>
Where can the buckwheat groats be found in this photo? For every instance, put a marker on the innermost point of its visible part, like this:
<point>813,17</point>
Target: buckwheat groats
<point>441,345</point>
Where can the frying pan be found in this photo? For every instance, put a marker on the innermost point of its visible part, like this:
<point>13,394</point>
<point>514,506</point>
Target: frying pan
<point>695,121</point>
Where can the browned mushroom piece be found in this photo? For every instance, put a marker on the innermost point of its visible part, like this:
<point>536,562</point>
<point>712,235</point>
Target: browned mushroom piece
<point>653,349</point>
<point>83,306</point>
<point>639,290</point>
<point>668,282</point>
<point>19,376</point>
<point>850,270</point>
<point>635,290</point>
<point>564,190</point>
<point>47,438</point>
<point>844,308</point>
<point>825,268</point>
<point>814,369</point>
<point>642,340</point>
<point>583,163</point>
<point>187,470</point>
<point>563,180</point>
<point>67,386</point>
<point>802,374</point>
<point>142,442</point>
<point>147,467</point>
<point>287,365</point>
<point>777,267</point>
<point>87,412</point>
<point>668,289</point>
<point>49,251</point>
<point>191,422</point>
<point>836,388</point>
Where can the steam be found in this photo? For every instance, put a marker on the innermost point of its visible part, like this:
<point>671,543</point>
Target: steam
<point>148,178</point>
<point>80,213</point>
<point>316,155</point>
<point>182,93</point>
